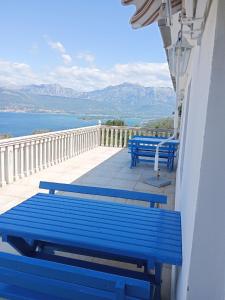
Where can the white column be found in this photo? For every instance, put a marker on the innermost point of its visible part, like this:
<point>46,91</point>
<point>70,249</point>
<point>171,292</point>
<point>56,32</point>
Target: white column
<point>71,145</point>
<point>48,163</point>
<point>121,138</point>
<point>21,165</point>
<point>52,150</point>
<point>9,164</point>
<point>32,143</point>
<point>102,136</point>
<point>45,153</point>
<point>55,150</point>
<point>36,155</point>
<point>116,138</point>
<point>125,139</point>
<point>111,137</point>
<point>27,159</point>
<point>2,166</point>
<point>16,162</point>
<point>41,155</point>
<point>107,137</point>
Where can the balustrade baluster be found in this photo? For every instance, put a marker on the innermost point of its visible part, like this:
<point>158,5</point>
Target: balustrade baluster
<point>31,157</point>
<point>48,152</point>
<point>27,159</point>
<point>107,137</point>
<point>40,156</point>
<point>21,160</point>
<point>36,156</point>
<point>116,137</point>
<point>102,136</point>
<point>121,138</point>
<point>45,153</point>
<point>111,136</point>
<point>125,138</point>
<point>2,166</point>
<point>16,162</point>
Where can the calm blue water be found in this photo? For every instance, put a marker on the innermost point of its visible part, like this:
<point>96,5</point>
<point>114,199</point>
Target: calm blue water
<point>17,124</point>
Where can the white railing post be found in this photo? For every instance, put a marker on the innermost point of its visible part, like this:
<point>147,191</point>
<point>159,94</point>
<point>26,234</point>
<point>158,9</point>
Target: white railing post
<point>9,165</point>
<point>125,139</point>
<point>116,138</point>
<point>111,136</point>
<point>21,160</point>
<point>107,137</point>
<point>102,136</point>
<point>48,164</point>
<point>32,143</point>
<point>26,159</point>
<point>55,148</point>
<point>36,153</point>
<point>2,166</point>
<point>121,138</point>
<point>16,162</point>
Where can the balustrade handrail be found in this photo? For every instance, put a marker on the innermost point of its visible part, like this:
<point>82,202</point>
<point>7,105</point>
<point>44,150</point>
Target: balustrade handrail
<point>38,136</point>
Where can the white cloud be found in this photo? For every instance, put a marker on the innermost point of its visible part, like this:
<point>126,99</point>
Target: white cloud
<point>86,56</point>
<point>67,59</point>
<point>90,78</point>
<point>87,78</point>
<point>58,46</point>
<point>16,74</point>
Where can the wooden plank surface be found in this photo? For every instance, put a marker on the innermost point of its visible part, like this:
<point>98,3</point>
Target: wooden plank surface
<point>113,228</point>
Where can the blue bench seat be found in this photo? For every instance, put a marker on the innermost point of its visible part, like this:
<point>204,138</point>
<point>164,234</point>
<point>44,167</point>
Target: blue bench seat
<point>35,279</point>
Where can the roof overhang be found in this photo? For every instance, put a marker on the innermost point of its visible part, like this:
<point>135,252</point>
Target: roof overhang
<point>149,11</point>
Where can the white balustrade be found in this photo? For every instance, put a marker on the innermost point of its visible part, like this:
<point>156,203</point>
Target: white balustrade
<point>27,155</point>
<point>117,136</point>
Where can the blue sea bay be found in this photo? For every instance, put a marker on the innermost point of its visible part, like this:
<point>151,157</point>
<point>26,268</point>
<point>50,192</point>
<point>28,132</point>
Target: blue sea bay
<point>19,124</point>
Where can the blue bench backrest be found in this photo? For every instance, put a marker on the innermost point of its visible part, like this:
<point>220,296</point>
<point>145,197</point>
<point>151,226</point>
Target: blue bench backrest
<point>29,278</point>
<point>82,189</point>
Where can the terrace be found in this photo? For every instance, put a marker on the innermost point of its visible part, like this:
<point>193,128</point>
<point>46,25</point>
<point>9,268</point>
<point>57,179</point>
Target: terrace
<point>94,156</point>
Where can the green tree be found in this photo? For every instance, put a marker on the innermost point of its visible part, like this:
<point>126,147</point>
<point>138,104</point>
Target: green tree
<point>164,123</point>
<point>115,122</point>
<point>5,136</point>
<point>39,131</point>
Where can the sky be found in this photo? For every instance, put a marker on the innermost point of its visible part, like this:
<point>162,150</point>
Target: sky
<point>81,44</point>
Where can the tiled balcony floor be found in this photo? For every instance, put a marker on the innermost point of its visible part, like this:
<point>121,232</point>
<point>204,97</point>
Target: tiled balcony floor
<point>102,166</point>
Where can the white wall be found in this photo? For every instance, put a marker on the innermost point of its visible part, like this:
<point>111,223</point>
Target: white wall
<point>200,191</point>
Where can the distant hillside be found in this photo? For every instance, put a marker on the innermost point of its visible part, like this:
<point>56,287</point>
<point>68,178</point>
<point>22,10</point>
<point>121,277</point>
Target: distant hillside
<point>125,99</point>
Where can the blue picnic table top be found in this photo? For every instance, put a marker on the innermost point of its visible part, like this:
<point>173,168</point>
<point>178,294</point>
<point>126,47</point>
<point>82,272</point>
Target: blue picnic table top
<point>154,140</point>
<point>116,229</point>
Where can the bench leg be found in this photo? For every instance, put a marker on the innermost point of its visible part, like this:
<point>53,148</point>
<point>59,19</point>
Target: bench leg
<point>22,246</point>
<point>158,271</point>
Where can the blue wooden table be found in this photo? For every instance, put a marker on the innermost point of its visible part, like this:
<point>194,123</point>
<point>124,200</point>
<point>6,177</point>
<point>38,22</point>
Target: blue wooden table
<point>143,146</point>
<point>129,233</point>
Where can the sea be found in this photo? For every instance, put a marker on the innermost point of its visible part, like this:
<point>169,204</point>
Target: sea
<point>23,123</point>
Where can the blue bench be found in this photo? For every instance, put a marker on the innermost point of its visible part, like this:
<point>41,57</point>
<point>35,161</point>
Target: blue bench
<point>116,193</point>
<point>144,146</point>
<point>26,278</point>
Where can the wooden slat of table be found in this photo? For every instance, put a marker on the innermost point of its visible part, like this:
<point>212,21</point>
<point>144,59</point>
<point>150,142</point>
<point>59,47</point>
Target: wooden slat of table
<point>120,229</point>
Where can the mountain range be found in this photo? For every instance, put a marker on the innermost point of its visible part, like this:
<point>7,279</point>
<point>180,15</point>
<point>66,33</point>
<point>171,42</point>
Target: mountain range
<point>121,100</point>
